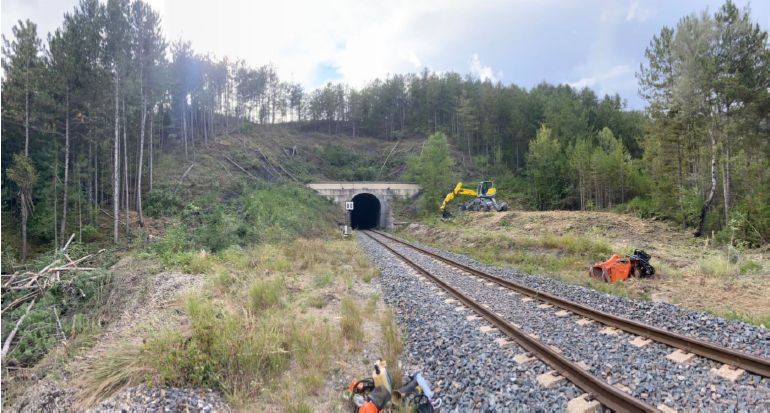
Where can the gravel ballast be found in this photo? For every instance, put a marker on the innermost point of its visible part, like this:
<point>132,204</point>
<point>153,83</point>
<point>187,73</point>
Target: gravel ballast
<point>644,372</point>
<point>163,399</point>
<point>467,369</point>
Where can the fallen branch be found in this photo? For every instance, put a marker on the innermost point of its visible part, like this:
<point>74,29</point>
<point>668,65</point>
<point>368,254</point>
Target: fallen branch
<point>386,159</point>
<point>60,330</point>
<point>9,339</point>
<point>68,243</point>
<point>239,167</point>
<point>268,163</point>
<point>184,175</point>
<point>38,282</point>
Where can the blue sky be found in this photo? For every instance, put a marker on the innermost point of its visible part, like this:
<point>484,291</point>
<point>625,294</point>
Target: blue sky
<point>594,43</point>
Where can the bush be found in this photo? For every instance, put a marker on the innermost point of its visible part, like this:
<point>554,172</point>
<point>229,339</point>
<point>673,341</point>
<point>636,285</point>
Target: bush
<point>90,233</point>
<point>275,213</point>
<point>641,207</point>
<point>161,203</point>
<point>227,351</point>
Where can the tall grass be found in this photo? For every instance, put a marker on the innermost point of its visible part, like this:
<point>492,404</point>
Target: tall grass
<point>352,321</point>
<point>392,346</point>
<point>266,293</point>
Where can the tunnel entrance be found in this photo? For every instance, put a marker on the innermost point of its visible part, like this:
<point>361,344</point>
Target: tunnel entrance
<point>366,212</point>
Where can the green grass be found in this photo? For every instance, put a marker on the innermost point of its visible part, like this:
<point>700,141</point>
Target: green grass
<point>720,266</point>
<point>762,320</point>
<point>322,280</point>
<point>392,346</point>
<point>717,266</point>
<point>266,293</point>
<point>352,321</point>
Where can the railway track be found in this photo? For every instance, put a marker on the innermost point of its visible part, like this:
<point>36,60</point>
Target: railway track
<point>605,393</point>
<point>745,361</point>
<point>608,395</point>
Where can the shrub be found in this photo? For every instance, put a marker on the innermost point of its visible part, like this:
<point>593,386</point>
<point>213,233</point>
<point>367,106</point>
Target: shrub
<point>641,207</point>
<point>90,233</point>
<point>161,203</point>
<point>264,294</point>
<point>227,351</point>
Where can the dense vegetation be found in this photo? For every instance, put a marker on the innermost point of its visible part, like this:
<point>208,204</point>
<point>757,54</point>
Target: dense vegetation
<point>86,114</point>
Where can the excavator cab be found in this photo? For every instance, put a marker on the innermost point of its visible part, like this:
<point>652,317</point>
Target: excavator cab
<point>487,188</point>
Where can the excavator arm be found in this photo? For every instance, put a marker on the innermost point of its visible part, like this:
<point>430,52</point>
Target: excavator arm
<point>459,190</point>
<point>484,199</point>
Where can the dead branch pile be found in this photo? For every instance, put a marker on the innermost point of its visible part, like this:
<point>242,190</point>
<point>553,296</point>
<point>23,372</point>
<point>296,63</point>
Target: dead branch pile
<point>35,283</point>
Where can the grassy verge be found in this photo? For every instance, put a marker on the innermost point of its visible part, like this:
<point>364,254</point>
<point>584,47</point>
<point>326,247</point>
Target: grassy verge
<point>264,330</point>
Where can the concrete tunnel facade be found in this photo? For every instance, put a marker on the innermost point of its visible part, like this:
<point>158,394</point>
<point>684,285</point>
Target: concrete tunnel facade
<point>372,200</point>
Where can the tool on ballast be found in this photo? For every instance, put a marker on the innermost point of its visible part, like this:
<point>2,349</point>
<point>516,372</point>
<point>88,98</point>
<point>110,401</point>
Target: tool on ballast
<point>381,375</point>
<point>619,268</point>
<point>484,199</point>
<point>416,394</point>
<point>371,395</point>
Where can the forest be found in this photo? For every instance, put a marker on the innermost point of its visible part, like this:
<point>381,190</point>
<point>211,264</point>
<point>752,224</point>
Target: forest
<point>88,109</point>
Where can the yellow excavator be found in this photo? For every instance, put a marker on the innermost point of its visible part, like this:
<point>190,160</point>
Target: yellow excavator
<point>484,199</point>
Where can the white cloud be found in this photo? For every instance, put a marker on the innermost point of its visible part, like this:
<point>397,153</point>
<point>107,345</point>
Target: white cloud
<point>483,72</point>
<point>601,79</point>
<point>639,13</point>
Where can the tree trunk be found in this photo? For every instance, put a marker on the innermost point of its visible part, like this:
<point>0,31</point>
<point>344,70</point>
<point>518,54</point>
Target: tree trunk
<point>192,129</point>
<point>152,118</point>
<point>90,182</point>
<point>97,189</point>
<point>65,196</point>
<point>205,130</point>
<point>184,131</point>
<point>125,166</point>
<point>726,181</point>
<point>116,168</point>
<point>24,215</point>
<point>141,160</point>
<point>80,205</point>
<point>26,116</point>
<point>710,198</point>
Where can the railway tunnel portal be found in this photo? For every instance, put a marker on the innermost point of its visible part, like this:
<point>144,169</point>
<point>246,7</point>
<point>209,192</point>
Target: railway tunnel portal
<point>372,201</point>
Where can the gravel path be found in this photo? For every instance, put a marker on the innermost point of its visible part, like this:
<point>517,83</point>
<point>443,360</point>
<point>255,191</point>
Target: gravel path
<point>645,372</point>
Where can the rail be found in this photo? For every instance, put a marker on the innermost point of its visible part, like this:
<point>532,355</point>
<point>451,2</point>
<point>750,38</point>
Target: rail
<point>748,362</point>
<point>606,394</point>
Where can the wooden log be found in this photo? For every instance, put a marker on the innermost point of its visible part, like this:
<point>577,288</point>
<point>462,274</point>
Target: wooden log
<point>239,167</point>
<point>68,242</point>
<point>182,178</point>
<point>12,334</point>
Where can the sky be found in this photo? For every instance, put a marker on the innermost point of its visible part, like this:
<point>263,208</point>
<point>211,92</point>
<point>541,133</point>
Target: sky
<point>593,43</point>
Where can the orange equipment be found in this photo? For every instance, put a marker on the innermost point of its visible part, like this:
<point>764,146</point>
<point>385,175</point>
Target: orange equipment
<point>619,268</point>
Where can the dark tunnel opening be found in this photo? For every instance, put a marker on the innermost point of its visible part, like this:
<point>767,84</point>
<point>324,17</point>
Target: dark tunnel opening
<point>366,212</point>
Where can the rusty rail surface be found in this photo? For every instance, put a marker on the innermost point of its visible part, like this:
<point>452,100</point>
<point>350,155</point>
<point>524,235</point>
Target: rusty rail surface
<point>610,396</point>
<point>748,362</point>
